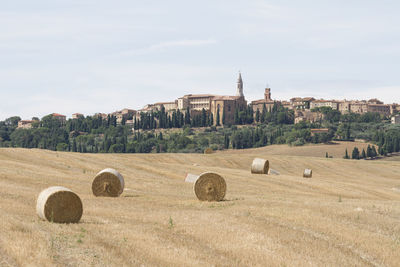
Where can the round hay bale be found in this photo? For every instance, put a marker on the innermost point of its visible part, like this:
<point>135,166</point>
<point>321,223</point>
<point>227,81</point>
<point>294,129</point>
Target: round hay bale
<point>108,183</point>
<point>60,205</point>
<point>210,187</point>
<point>260,166</point>
<point>208,151</point>
<point>307,173</point>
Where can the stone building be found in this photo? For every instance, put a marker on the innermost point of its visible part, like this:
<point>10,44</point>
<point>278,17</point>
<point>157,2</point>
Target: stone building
<point>324,103</point>
<point>301,102</point>
<point>125,114</point>
<point>61,118</point>
<point>195,102</point>
<point>359,107</point>
<point>267,102</point>
<point>396,119</point>
<point>227,105</point>
<point>344,107</point>
<point>307,116</point>
<point>25,124</point>
<point>77,116</point>
<point>168,106</point>
<point>394,108</point>
<point>379,108</point>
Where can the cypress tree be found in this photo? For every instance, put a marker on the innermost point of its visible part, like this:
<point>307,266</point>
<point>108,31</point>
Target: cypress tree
<point>258,115</point>
<point>217,119</point>
<point>363,155</point>
<point>374,153</point>
<point>355,154</point>
<point>187,116</point>
<point>226,141</point>
<point>346,156</point>
<point>203,117</point>
<point>369,151</point>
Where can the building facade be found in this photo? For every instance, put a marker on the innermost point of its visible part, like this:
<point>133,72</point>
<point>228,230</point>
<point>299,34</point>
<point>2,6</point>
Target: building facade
<point>324,103</point>
<point>301,102</point>
<point>25,124</point>
<point>77,116</point>
<point>267,102</point>
<point>61,118</point>
<point>396,119</point>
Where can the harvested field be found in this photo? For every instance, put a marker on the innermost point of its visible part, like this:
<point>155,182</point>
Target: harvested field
<point>348,214</point>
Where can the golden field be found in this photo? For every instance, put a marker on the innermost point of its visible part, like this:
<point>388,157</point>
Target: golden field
<point>348,214</point>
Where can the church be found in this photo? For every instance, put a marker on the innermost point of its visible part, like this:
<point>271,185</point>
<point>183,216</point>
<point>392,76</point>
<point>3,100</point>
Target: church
<point>226,106</point>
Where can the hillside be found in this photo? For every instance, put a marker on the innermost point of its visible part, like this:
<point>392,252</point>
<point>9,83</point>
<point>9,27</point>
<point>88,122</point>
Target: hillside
<point>347,214</point>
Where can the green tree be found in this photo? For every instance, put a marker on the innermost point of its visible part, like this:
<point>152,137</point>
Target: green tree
<point>346,156</point>
<point>374,153</point>
<point>62,147</point>
<point>356,153</point>
<point>258,115</point>
<point>217,118</point>
<point>363,154</point>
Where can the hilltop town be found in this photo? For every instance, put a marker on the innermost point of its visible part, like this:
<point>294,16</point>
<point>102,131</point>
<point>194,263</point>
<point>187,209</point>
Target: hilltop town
<point>223,108</point>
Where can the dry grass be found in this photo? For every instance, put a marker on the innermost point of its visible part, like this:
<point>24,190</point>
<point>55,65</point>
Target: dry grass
<point>347,215</point>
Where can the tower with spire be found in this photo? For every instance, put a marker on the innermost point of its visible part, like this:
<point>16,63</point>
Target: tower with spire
<point>239,91</point>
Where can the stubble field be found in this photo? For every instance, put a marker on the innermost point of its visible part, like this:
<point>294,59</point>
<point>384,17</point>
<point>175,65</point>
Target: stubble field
<point>348,214</point>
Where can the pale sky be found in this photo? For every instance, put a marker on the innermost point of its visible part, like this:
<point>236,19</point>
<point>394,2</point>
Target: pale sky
<point>91,56</point>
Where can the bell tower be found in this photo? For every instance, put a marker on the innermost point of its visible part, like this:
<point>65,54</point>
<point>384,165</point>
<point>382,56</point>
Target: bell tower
<point>239,91</point>
<point>267,94</point>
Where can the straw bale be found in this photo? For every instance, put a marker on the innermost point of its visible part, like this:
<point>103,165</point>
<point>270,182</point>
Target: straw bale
<point>260,166</point>
<point>191,178</point>
<point>108,183</point>
<point>60,205</point>
<point>208,151</point>
<point>210,187</point>
<point>307,173</point>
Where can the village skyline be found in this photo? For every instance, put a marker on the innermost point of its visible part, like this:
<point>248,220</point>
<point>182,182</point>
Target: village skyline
<point>228,106</point>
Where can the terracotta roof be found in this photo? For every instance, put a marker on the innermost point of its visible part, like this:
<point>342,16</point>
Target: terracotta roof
<point>225,97</point>
<point>261,101</point>
<point>57,115</point>
<point>199,95</point>
<point>324,101</point>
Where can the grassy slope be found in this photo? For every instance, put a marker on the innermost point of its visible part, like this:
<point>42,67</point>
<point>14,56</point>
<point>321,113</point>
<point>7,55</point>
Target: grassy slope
<point>278,219</point>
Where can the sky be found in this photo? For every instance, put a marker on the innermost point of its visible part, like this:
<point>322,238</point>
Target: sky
<point>91,56</point>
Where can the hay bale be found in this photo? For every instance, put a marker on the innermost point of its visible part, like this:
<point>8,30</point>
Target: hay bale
<point>208,151</point>
<point>191,178</point>
<point>210,187</point>
<point>307,173</point>
<point>260,166</point>
<point>108,183</point>
<point>60,205</point>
